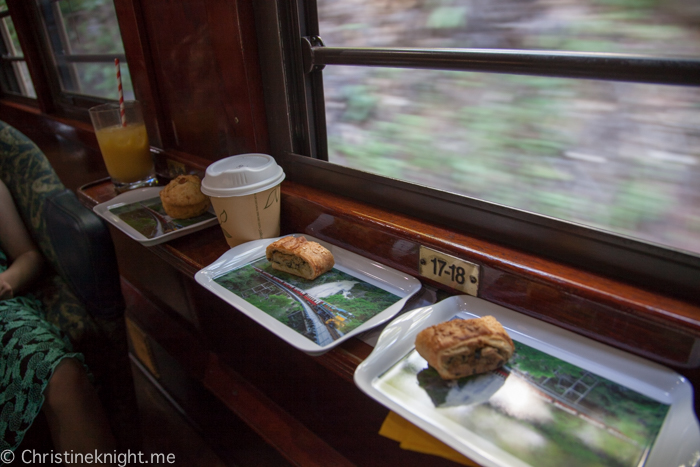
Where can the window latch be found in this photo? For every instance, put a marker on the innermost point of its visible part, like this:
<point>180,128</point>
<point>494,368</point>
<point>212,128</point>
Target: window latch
<point>308,44</point>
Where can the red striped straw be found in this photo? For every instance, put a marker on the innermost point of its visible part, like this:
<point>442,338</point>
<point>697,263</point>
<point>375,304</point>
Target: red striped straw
<point>122,113</point>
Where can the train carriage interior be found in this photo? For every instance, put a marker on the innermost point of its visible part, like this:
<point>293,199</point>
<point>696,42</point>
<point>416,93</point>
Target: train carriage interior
<point>534,159</point>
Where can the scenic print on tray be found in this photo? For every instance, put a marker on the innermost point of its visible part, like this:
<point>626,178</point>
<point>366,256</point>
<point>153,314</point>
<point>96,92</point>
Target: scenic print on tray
<point>540,409</point>
<point>150,220</point>
<point>322,310</point>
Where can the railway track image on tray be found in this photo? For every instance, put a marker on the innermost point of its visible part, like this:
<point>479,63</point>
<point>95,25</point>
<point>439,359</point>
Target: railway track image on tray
<point>357,295</point>
<point>321,310</point>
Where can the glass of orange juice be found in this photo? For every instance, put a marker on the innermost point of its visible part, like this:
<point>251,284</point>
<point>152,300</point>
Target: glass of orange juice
<point>124,145</point>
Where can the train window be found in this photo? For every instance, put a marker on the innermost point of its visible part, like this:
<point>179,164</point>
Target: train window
<point>587,151</point>
<point>84,40</point>
<point>14,75</point>
<point>565,129</point>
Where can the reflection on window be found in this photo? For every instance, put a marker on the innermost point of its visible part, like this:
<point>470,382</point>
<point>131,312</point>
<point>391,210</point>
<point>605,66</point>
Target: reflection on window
<point>622,157</point>
<point>85,39</point>
<point>14,75</point>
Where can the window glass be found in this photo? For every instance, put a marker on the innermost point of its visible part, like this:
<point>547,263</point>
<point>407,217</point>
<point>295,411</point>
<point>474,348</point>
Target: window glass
<point>15,74</point>
<point>657,27</point>
<point>622,157</point>
<point>85,39</point>
<point>99,80</point>
<point>27,85</point>
<point>90,26</point>
<point>15,47</point>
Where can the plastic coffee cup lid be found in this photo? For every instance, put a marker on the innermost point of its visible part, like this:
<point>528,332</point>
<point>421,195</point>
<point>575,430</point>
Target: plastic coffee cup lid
<point>241,175</point>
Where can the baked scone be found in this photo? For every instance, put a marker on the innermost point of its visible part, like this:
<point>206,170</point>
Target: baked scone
<point>182,198</point>
<point>298,256</point>
<point>464,347</point>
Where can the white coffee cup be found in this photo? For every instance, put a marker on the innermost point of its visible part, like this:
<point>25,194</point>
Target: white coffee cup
<point>245,193</point>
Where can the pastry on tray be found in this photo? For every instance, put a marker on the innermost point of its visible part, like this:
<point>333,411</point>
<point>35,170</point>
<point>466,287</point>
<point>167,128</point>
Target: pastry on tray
<point>182,198</point>
<point>298,256</point>
<point>464,347</point>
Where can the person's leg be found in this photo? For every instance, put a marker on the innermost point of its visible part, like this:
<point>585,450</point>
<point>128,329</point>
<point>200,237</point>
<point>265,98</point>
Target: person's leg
<point>74,412</point>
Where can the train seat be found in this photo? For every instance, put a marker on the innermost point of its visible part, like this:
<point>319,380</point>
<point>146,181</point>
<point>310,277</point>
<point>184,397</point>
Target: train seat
<point>82,292</point>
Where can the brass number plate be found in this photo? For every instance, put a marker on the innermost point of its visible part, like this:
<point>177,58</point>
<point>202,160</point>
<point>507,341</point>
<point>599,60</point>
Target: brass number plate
<point>449,270</point>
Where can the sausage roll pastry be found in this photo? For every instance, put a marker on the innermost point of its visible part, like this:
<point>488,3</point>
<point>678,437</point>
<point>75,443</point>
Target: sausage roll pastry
<point>300,257</point>
<point>464,347</point>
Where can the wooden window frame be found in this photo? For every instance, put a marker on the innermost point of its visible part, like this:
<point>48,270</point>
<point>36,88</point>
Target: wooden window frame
<point>51,98</point>
<point>297,134</point>
<point>13,86</point>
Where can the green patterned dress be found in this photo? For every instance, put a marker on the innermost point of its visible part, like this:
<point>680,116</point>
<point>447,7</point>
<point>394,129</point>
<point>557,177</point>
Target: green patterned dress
<point>31,350</point>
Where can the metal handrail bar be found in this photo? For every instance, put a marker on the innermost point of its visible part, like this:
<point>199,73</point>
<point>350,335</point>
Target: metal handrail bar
<point>612,67</point>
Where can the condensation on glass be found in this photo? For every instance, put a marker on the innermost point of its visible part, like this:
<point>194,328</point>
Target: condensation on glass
<point>621,157</point>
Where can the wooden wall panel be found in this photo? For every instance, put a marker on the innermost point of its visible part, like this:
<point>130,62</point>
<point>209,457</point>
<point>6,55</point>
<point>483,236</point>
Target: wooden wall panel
<point>207,76</point>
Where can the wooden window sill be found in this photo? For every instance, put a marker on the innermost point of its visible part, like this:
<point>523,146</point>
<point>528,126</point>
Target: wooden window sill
<point>659,328</point>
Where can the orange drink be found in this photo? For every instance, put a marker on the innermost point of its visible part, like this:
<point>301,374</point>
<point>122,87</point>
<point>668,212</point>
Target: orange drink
<point>124,145</point>
<point>126,152</point>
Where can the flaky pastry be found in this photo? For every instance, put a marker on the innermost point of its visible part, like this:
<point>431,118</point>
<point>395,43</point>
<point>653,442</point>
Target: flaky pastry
<point>298,256</point>
<point>464,347</point>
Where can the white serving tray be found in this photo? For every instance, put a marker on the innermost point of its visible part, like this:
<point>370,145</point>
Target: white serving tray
<point>491,417</point>
<point>361,269</point>
<point>162,234</point>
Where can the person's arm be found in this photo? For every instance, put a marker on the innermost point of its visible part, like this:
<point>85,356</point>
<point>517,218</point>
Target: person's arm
<point>25,259</point>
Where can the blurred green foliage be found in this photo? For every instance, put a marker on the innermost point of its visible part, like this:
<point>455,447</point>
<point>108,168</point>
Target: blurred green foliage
<point>614,156</point>
<point>92,28</point>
